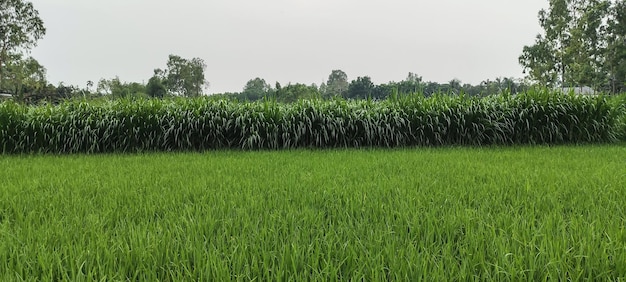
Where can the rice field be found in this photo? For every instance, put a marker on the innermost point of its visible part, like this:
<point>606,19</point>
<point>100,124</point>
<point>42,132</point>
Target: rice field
<point>440,214</point>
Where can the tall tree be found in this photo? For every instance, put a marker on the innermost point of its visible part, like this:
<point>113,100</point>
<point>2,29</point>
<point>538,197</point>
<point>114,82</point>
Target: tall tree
<point>547,59</point>
<point>587,44</point>
<point>184,77</point>
<point>155,87</point>
<point>539,62</point>
<point>23,76</point>
<point>572,49</point>
<point>89,85</point>
<point>20,29</point>
<point>616,48</point>
<point>337,83</point>
<point>360,88</point>
<point>256,89</point>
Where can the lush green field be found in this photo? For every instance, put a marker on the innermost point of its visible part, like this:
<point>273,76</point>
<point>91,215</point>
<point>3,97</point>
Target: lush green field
<point>515,213</point>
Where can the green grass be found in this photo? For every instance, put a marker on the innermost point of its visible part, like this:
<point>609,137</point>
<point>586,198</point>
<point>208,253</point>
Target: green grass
<point>442,214</point>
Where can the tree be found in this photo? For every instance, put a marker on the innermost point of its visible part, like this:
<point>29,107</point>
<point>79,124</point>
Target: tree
<point>23,76</point>
<point>616,48</point>
<point>20,28</point>
<point>361,88</point>
<point>256,89</point>
<point>453,86</point>
<point>571,51</point>
<point>587,44</point>
<point>155,87</point>
<point>412,84</point>
<point>294,92</point>
<point>119,89</point>
<point>382,91</point>
<point>322,89</point>
<point>337,83</point>
<point>539,62</point>
<point>89,85</point>
<point>184,77</point>
<point>547,58</point>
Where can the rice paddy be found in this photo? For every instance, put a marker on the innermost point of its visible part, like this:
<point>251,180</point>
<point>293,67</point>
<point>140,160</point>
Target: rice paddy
<point>441,214</point>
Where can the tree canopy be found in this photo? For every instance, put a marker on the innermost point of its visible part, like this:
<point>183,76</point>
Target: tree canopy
<point>20,29</point>
<point>183,77</point>
<point>583,44</point>
<point>337,83</point>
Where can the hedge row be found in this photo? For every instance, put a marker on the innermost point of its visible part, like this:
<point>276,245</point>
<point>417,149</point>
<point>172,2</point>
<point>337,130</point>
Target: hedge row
<point>535,117</point>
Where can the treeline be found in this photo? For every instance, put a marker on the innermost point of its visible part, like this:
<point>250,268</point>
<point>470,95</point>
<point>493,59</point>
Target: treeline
<point>185,78</point>
<point>338,86</point>
<point>25,79</point>
<point>583,44</point>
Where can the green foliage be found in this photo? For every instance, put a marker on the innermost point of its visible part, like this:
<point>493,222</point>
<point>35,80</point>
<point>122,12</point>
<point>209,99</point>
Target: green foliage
<point>155,87</point>
<point>296,92</point>
<point>448,214</point>
<point>20,29</point>
<point>361,88</point>
<point>583,44</point>
<point>619,103</point>
<point>118,89</point>
<point>184,77</point>
<point>616,48</point>
<point>130,125</point>
<point>337,84</point>
<point>23,76</point>
<point>255,89</point>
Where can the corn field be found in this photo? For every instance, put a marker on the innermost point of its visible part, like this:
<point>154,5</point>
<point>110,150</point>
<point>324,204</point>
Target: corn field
<point>535,117</point>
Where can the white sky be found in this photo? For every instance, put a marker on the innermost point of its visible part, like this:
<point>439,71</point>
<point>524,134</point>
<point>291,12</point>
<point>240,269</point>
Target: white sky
<point>286,40</point>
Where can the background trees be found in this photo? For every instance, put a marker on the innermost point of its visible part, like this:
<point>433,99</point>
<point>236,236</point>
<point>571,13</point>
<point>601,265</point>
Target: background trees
<point>361,88</point>
<point>582,44</point>
<point>23,75</point>
<point>118,89</point>
<point>294,92</point>
<point>182,76</point>
<point>155,87</point>
<point>20,29</point>
<point>255,89</point>
<point>616,47</point>
<point>337,83</point>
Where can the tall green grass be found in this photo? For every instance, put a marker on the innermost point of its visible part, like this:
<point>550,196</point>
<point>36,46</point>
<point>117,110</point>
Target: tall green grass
<point>619,103</point>
<point>442,214</point>
<point>535,117</point>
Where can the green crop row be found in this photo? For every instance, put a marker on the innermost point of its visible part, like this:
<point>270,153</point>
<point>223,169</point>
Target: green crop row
<point>535,117</point>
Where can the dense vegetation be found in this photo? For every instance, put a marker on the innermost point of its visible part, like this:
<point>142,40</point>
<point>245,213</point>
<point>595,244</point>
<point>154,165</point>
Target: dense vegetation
<point>535,117</point>
<point>512,213</point>
<point>582,43</point>
<point>446,214</point>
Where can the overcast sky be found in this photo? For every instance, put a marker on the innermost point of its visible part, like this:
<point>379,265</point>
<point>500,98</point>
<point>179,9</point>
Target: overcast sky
<point>286,40</point>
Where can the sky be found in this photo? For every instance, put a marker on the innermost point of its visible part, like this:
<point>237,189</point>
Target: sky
<point>286,41</point>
